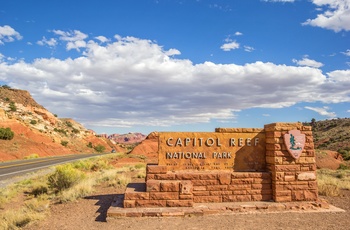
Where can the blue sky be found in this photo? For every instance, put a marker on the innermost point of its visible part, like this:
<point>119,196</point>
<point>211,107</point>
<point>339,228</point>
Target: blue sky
<point>189,65</point>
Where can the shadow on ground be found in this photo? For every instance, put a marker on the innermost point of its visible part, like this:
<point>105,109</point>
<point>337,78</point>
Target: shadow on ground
<point>105,201</point>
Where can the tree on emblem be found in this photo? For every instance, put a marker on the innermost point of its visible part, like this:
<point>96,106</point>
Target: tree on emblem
<point>292,142</point>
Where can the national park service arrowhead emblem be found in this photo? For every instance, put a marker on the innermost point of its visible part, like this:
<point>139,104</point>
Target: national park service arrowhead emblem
<point>294,141</point>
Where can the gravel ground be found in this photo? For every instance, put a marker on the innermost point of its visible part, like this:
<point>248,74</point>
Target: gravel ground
<point>90,213</point>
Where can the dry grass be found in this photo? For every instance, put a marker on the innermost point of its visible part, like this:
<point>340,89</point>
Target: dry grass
<point>330,182</point>
<point>68,183</point>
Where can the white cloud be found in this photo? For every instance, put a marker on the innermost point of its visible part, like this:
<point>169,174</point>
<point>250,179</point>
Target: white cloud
<point>238,33</point>
<point>336,16</point>
<point>102,39</point>
<point>346,53</point>
<point>230,46</point>
<point>132,81</point>
<point>322,111</point>
<point>248,49</point>
<point>51,42</point>
<point>75,39</point>
<point>308,62</point>
<point>8,34</point>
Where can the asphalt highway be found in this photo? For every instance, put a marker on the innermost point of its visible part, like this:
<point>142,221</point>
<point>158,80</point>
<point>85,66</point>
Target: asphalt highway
<point>20,167</point>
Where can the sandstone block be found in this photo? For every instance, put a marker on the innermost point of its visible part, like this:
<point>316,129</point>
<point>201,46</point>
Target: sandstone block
<point>156,169</point>
<point>199,188</point>
<point>129,203</point>
<point>164,196</point>
<point>289,178</point>
<point>262,197</point>
<point>207,199</point>
<point>240,192</point>
<point>179,203</point>
<point>150,203</point>
<point>219,193</point>
<point>186,187</point>
<point>167,176</point>
<point>204,182</point>
<point>239,186</point>
<point>170,186</point>
<point>304,195</point>
<point>216,187</point>
<point>307,176</point>
<point>153,186</point>
<point>287,168</point>
<point>136,196</point>
<point>186,196</point>
<point>242,181</point>
<point>261,186</point>
<point>224,178</point>
<point>201,193</point>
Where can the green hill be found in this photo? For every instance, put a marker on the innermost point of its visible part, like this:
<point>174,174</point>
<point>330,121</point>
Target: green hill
<point>332,135</point>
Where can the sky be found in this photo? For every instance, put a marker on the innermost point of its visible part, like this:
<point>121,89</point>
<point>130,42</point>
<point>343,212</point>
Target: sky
<point>179,65</point>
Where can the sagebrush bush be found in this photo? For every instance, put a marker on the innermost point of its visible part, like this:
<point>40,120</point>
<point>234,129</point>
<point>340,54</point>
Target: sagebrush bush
<point>64,177</point>
<point>39,188</point>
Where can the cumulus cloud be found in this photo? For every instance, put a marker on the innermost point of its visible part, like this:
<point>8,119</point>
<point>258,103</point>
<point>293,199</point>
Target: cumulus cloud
<point>308,62</point>
<point>49,42</point>
<point>322,111</point>
<point>230,46</point>
<point>102,39</point>
<point>238,33</point>
<point>346,53</point>
<point>131,81</point>
<point>335,16</point>
<point>8,34</point>
<point>75,39</point>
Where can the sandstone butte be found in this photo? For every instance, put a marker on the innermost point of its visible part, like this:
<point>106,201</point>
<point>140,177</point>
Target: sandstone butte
<point>38,131</point>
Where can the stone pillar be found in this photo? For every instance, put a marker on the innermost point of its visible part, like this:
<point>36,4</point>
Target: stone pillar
<point>292,179</point>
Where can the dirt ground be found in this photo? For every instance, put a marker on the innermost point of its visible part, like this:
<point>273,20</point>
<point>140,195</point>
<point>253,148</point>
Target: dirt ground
<point>90,213</point>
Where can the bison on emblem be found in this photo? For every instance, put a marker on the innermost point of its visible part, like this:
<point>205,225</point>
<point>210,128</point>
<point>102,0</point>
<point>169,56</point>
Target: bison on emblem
<point>294,141</point>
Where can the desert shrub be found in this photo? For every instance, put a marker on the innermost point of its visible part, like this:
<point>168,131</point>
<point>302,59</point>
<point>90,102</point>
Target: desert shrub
<point>123,180</point>
<point>344,167</point>
<point>13,107</point>
<point>69,124</point>
<point>330,182</point>
<point>64,177</point>
<point>89,145</point>
<point>39,188</point>
<point>64,143</point>
<point>345,153</point>
<point>139,166</point>
<point>6,134</point>
<point>84,165</point>
<point>78,190</point>
<point>99,148</point>
<point>33,122</point>
<point>76,131</point>
<point>32,156</point>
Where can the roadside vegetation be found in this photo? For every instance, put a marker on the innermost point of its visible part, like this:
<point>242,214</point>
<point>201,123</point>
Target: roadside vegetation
<point>331,182</point>
<point>68,182</point>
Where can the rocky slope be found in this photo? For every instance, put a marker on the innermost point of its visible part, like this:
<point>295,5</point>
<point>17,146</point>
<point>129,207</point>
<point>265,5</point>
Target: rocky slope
<point>38,131</point>
<point>129,138</point>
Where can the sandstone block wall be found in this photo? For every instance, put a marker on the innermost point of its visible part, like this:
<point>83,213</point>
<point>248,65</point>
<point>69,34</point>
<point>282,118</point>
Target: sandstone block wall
<point>292,179</point>
<point>285,179</point>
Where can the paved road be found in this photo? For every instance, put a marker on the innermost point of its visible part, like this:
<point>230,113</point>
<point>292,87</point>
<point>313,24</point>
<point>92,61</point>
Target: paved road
<point>20,167</point>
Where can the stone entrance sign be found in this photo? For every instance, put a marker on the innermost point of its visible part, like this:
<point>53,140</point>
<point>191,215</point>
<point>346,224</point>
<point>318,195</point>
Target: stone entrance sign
<point>229,165</point>
<point>240,150</point>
